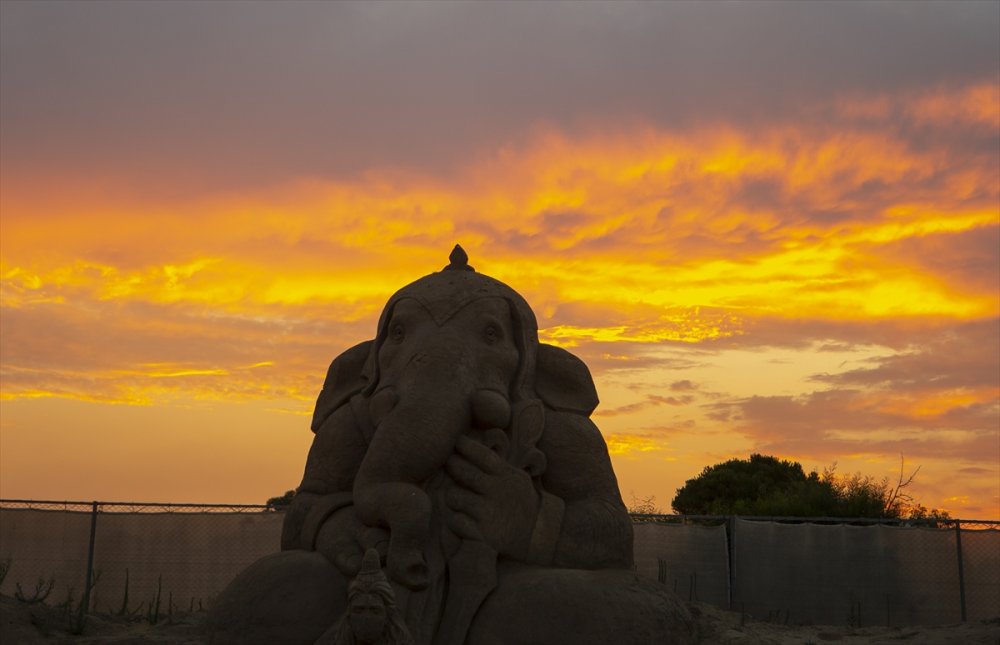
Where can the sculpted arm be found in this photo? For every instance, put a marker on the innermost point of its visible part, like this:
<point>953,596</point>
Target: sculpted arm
<point>336,452</point>
<point>579,520</point>
<point>338,446</point>
<point>596,531</point>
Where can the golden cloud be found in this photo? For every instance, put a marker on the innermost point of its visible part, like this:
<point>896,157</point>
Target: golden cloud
<point>623,444</point>
<point>674,236</point>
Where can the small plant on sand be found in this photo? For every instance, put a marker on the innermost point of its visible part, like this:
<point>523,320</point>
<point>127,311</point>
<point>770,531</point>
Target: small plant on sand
<point>139,612</point>
<point>65,605</point>
<point>153,615</point>
<point>75,613</point>
<point>5,568</point>
<point>42,590</point>
<point>124,611</point>
<point>79,618</point>
<point>70,610</point>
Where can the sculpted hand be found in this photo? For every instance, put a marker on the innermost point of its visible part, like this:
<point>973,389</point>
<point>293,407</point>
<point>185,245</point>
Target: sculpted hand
<point>343,539</point>
<point>492,500</point>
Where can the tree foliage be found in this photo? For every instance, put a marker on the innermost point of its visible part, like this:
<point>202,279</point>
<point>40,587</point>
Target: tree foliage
<point>281,500</point>
<point>768,486</point>
<point>644,505</point>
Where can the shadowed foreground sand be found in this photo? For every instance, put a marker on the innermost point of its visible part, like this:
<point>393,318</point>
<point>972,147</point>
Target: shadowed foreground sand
<point>23,624</point>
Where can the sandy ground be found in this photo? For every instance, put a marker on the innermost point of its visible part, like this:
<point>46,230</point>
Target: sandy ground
<point>718,626</point>
<point>23,624</point>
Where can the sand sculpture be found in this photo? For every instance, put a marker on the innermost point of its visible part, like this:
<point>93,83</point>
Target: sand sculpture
<point>372,617</point>
<point>460,449</point>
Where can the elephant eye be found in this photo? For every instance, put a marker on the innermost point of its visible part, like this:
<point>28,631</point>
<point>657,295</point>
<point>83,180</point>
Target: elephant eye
<point>492,333</point>
<point>397,332</point>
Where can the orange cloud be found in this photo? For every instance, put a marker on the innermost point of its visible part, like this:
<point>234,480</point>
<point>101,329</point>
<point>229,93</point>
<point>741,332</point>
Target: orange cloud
<point>675,236</point>
<point>673,250</point>
<point>624,444</point>
<point>645,250</point>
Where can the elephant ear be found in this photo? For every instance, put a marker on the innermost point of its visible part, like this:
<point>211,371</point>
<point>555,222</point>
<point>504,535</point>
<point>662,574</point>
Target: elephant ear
<point>563,381</point>
<point>344,379</point>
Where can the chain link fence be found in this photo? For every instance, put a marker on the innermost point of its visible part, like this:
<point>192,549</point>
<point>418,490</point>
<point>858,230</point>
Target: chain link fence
<point>833,571</point>
<point>143,558</point>
<point>140,557</point>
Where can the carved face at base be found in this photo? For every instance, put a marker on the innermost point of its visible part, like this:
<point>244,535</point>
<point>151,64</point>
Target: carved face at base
<point>368,618</point>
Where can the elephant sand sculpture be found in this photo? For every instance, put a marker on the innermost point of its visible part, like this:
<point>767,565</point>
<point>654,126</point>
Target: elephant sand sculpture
<point>461,450</point>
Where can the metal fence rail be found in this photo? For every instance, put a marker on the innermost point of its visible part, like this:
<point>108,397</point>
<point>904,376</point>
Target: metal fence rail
<point>859,571</point>
<point>132,507</point>
<point>862,571</point>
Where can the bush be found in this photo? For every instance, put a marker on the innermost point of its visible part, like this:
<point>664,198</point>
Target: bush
<point>768,486</point>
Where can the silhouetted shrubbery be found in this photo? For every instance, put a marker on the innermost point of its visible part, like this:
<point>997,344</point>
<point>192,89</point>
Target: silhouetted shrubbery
<point>768,486</point>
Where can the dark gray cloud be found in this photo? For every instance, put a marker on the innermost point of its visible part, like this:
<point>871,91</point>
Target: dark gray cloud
<point>651,400</point>
<point>604,357</point>
<point>816,424</point>
<point>963,356</point>
<point>842,335</point>
<point>968,260</point>
<point>683,386</point>
<point>240,93</point>
<point>936,400</point>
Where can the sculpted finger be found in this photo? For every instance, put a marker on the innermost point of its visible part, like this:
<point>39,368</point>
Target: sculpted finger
<point>464,526</point>
<point>348,558</point>
<point>466,502</point>
<point>480,455</point>
<point>377,538</point>
<point>466,474</point>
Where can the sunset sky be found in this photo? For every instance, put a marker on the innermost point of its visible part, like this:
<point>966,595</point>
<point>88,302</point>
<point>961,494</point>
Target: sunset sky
<point>769,227</point>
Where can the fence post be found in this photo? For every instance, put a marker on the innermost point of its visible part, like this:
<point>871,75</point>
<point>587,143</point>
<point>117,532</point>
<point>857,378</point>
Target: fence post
<point>85,603</point>
<point>731,525</point>
<point>961,567</point>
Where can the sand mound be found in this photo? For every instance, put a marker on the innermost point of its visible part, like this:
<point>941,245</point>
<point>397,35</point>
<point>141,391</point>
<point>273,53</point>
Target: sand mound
<point>29,624</point>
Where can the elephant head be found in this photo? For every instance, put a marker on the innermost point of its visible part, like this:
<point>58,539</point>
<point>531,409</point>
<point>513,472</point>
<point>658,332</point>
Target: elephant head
<point>545,372</point>
<point>456,352</point>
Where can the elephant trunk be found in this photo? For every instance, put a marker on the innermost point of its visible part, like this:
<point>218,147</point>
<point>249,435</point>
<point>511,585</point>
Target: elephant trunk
<point>417,421</point>
<point>417,418</point>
